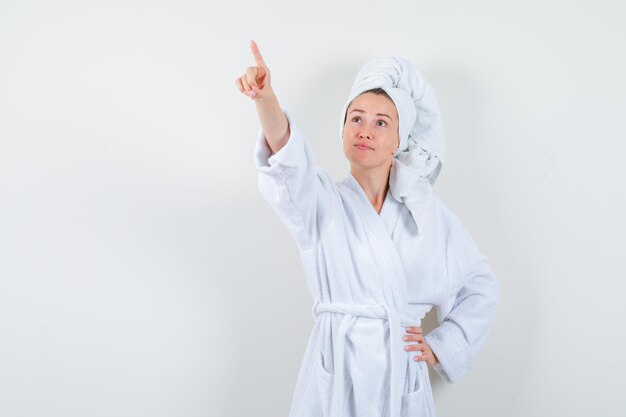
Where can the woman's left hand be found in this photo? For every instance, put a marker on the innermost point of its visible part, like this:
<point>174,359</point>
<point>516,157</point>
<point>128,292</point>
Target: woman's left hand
<point>414,334</point>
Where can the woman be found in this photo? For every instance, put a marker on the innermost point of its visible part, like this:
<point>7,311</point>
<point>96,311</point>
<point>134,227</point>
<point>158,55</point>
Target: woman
<point>379,248</point>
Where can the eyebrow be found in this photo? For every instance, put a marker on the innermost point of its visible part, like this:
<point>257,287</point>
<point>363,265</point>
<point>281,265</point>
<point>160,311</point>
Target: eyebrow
<point>378,114</point>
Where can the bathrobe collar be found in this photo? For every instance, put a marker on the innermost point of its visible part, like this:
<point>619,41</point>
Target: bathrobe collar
<point>392,208</point>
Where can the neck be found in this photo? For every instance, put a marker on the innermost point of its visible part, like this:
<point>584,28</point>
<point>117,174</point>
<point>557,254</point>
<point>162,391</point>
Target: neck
<point>374,182</point>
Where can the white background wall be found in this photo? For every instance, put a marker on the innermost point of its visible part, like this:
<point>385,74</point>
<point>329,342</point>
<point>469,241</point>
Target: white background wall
<point>142,274</point>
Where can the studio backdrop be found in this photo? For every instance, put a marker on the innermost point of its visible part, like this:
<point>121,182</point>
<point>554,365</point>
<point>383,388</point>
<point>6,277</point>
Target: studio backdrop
<point>142,273</point>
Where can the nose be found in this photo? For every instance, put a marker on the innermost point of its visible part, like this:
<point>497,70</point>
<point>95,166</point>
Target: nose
<point>363,135</point>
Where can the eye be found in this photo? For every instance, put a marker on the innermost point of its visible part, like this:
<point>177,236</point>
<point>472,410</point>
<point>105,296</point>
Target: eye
<point>382,121</point>
<point>356,117</point>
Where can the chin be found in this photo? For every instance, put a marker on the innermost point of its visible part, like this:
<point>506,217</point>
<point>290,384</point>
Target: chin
<point>361,165</point>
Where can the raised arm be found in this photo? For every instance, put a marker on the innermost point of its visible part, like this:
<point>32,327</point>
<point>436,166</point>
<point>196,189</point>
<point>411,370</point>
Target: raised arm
<point>256,84</point>
<point>298,190</point>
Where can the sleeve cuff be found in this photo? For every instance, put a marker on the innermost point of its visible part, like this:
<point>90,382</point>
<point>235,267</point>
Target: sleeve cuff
<point>451,348</point>
<point>290,155</point>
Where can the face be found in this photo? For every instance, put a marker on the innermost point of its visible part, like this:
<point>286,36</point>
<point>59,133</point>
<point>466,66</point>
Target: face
<point>370,133</point>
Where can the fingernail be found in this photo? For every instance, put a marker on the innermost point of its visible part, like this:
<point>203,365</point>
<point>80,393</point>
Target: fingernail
<point>406,348</point>
<point>251,93</point>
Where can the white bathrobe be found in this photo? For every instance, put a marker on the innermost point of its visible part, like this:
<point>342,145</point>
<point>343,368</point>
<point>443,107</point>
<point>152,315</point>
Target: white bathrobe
<point>371,275</point>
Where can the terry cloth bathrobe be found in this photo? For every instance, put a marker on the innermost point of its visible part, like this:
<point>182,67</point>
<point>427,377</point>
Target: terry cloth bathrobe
<point>371,275</point>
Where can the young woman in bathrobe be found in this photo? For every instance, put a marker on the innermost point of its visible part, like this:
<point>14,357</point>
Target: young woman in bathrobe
<point>379,249</point>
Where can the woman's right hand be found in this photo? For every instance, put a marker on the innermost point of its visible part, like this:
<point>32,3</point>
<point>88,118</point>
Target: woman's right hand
<point>255,83</point>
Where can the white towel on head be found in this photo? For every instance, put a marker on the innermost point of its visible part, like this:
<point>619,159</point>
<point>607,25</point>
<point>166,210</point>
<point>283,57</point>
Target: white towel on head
<point>418,160</point>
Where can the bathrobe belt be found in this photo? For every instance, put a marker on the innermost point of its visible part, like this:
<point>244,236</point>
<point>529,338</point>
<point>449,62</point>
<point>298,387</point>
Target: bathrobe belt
<point>398,355</point>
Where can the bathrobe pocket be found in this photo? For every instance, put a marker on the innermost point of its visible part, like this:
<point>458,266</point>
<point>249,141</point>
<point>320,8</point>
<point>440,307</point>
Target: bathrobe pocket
<point>325,388</point>
<point>414,402</point>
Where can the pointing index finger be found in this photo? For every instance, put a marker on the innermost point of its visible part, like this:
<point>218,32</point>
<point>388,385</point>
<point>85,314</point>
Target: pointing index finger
<point>257,54</point>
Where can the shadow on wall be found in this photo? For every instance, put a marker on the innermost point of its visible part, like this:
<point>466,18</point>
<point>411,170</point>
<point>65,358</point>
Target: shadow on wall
<point>464,100</point>
<point>258,280</point>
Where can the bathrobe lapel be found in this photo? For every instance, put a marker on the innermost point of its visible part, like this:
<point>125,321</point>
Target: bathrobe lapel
<point>380,236</point>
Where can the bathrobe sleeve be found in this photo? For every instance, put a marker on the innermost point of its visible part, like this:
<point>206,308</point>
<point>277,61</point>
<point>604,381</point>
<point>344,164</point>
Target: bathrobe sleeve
<point>467,315</point>
<point>299,191</point>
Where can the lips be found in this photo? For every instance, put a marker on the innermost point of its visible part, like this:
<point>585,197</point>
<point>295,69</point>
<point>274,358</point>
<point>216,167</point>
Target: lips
<point>363,146</point>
